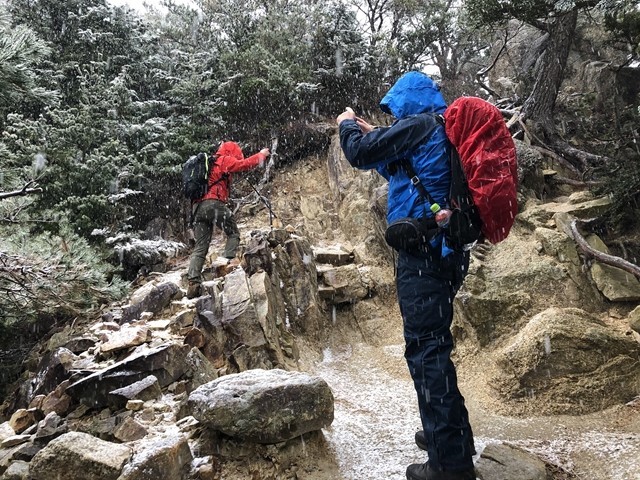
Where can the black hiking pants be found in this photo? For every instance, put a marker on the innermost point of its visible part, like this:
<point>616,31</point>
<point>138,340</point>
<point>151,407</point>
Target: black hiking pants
<point>426,287</point>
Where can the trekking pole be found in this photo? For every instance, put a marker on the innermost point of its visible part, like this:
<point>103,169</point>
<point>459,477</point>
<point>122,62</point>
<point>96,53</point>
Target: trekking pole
<point>266,202</point>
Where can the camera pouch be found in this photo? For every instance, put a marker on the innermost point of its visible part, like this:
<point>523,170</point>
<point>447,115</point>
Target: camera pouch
<point>411,233</point>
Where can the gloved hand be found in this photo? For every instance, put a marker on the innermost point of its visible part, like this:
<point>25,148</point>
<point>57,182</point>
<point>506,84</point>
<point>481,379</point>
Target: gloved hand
<point>202,156</point>
<point>481,250</point>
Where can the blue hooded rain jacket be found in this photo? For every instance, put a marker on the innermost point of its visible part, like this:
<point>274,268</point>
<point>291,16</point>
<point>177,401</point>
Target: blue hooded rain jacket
<point>415,135</point>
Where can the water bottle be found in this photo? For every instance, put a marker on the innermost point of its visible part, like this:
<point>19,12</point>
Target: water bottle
<point>442,215</point>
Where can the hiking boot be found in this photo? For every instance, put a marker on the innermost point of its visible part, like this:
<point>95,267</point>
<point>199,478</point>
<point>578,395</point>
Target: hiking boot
<point>422,471</point>
<point>194,290</point>
<point>421,440</point>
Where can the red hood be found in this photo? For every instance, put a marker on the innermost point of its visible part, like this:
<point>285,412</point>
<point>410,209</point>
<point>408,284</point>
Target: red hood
<point>230,149</point>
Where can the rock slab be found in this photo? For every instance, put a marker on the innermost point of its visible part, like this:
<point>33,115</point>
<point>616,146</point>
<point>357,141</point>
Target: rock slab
<point>79,456</point>
<point>264,406</point>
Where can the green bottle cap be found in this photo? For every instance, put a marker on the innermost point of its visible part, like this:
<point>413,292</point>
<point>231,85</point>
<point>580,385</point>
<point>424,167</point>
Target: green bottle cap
<point>435,207</point>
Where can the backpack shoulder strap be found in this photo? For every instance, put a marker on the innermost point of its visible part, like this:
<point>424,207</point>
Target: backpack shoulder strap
<point>413,176</point>
<point>224,177</point>
<point>415,180</point>
<point>405,164</point>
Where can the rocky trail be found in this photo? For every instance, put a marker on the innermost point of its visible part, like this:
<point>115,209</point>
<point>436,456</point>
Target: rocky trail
<point>308,322</point>
<point>376,417</point>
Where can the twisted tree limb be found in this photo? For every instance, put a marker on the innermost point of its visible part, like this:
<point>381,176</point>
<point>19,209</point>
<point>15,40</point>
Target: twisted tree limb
<point>601,257</point>
<point>574,183</point>
<point>585,158</point>
<point>482,73</point>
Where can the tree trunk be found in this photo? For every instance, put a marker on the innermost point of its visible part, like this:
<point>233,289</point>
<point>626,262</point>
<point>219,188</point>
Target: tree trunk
<point>550,70</point>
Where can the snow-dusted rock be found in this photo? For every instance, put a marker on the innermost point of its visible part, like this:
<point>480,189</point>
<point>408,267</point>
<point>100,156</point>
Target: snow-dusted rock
<point>145,389</point>
<point>165,457</point>
<point>264,406</point>
<point>505,462</point>
<point>166,362</point>
<point>126,337</point>
<point>150,298</point>
<point>570,362</point>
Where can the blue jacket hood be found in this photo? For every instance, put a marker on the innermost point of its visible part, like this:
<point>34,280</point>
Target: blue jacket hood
<point>413,93</point>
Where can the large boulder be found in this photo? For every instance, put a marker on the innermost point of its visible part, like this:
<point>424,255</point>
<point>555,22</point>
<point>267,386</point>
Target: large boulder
<point>519,278</point>
<point>500,461</point>
<point>79,456</point>
<point>264,406</point>
<point>566,361</point>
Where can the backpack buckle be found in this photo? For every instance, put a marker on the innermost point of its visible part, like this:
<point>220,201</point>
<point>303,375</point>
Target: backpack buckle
<point>415,180</point>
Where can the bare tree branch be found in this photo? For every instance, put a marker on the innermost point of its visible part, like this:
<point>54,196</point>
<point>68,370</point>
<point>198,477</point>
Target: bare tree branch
<point>28,189</point>
<point>585,158</point>
<point>267,170</point>
<point>602,257</point>
<point>574,183</point>
<point>480,74</point>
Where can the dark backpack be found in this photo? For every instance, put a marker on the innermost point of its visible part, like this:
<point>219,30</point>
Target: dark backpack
<point>195,176</point>
<point>465,224</point>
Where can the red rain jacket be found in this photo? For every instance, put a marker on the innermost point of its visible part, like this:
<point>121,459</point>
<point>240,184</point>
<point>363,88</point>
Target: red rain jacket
<point>230,160</point>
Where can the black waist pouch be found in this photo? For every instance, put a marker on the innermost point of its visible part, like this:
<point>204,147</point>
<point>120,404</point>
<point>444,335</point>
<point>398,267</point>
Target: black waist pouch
<point>411,233</point>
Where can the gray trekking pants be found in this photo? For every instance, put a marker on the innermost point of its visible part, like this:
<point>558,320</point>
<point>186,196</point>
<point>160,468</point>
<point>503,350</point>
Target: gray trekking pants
<point>207,215</point>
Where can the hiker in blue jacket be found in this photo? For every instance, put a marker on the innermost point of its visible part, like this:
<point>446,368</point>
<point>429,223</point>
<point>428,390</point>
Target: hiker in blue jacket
<point>427,277</point>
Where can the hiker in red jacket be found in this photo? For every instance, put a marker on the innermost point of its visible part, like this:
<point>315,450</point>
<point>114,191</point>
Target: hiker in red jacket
<point>211,210</point>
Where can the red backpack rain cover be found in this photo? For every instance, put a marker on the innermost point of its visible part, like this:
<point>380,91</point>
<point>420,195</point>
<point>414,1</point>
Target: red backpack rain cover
<point>487,153</point>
